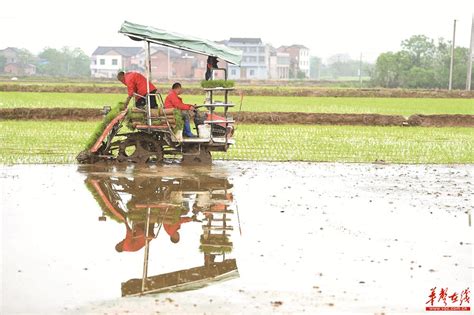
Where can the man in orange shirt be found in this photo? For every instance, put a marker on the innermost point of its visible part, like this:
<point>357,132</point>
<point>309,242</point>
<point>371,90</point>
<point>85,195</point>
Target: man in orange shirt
<point>136,84</point>
<point>135,238</point>
<point>173,100</point>
<point>172,229</point>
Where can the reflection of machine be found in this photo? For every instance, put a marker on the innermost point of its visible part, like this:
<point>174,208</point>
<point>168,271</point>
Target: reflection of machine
<point>150,204</point>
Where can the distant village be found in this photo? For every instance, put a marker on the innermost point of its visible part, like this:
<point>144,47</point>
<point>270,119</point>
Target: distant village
<point>260,61</point>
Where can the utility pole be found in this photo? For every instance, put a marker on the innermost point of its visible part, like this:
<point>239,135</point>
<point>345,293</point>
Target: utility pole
<point>451,66</point>
<point>469,62</point>
<point>360,71</point>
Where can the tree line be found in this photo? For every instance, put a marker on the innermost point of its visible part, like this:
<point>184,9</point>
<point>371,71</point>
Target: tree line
<point>64,62</point>
<point>421,62</point>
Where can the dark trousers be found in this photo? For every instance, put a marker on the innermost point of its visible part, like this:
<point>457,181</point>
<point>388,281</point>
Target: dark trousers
<point>141,102</point>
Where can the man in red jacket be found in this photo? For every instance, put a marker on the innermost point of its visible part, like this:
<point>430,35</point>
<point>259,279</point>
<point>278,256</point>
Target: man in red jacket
<point>173,100</point>
<point>173,229</point>
<point>136,84</point>
<point>135,238</point>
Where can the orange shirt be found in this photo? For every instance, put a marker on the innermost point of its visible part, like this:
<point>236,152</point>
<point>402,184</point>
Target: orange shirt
<point>173,100</point>
<point>172,228</point>
<point>134,240</point>
<point>136,83</point>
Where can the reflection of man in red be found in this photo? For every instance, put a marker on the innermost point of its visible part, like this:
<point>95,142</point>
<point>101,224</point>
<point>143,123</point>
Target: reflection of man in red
<point>135,238</point>
<point>172,229</point>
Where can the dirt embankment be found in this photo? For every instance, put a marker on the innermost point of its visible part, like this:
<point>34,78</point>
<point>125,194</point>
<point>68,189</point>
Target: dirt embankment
<point>73,114</point>
<point>268,118</point>
<point>254,91</point>
<point>319,119</point>
<point>441,120</point>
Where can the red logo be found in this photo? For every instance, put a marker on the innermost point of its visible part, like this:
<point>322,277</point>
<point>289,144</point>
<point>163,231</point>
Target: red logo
<point>447,301</point>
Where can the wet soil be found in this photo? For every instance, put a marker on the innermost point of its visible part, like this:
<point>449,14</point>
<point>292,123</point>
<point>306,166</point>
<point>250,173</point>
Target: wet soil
<point>251,91</point>
<point>305,237</point>
<point>270,118</point>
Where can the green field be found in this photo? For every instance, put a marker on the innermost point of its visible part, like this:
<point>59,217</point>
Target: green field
<point>394,106</point>
<point>325,83</point>
<point>62,83</point>
<point>59,142</point>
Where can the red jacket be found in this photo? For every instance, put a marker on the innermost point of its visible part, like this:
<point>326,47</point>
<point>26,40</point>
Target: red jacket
<point>173,100</point>
<point>136,83</point>
<point>135,239</point>
<point>173,228</point>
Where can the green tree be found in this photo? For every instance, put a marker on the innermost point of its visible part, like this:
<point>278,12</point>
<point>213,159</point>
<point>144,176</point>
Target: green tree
<point>421,50</point>
<point>391,69</point>
<point>418,77</point>
<point>300,75</point>
<point>442,63</point>
<point>26,57</point>
<point>65,62</point>
<point>421,64</point>
<point>79,63</point>
<point>51,62</point>
<point>341,65</point>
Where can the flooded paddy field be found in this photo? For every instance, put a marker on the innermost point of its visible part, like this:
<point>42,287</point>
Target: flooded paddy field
<point>238,237</point>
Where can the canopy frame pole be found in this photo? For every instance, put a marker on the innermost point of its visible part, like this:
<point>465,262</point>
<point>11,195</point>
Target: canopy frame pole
<point>147,250</point>
<point>148,79</point>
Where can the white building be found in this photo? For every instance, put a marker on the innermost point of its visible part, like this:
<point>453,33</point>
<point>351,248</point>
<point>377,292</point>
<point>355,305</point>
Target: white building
<point>254,64</point>
<point>300,58</point>
<point>107,61</point>
<point>303,60</point>
<point>278,65</point>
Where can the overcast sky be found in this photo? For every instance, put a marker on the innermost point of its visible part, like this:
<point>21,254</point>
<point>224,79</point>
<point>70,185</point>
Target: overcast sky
<point>326,27</point>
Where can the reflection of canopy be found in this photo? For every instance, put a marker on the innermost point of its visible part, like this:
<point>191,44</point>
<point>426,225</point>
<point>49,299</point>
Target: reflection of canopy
<point>182,42</point>
<point>188,279</point>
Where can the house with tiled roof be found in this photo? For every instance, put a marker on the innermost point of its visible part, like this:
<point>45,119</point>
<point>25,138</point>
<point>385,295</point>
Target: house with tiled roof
<point>15,65</point>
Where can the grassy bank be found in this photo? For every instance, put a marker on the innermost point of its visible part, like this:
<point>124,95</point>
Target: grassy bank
<point>367,105</point>
<point>59,142</point>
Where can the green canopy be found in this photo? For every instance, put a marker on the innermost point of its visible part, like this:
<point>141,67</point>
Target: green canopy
<point>183,42</point>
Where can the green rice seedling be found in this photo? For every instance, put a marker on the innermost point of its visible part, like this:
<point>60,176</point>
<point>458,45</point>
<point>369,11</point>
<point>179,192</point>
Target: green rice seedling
<point>361,105</point>
<point>209,84</point>
<point>59,142</point>
<point>115,110</point>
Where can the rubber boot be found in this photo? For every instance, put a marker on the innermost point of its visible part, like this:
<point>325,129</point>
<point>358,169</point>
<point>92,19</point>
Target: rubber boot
<point>187,130</point>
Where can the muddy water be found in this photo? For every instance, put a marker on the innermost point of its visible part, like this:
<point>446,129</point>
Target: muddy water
<point>253,238</point>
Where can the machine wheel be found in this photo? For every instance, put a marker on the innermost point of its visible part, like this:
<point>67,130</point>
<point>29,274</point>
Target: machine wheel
<point>86,157</point>
<point>140,148</point>
<point>197,156</point>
